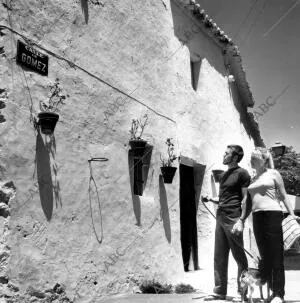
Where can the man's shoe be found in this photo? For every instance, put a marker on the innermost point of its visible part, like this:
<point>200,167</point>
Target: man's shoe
<point>277,300</point>
<point>240,299</point>
<point>214,297</point>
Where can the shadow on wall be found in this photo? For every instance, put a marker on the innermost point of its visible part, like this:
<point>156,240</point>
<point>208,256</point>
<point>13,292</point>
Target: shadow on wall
<point>146,163</point>
<point>44,176</point>
<point>51,147</point>
<point>189,33</point>
<point>43,167</point>
<point>85,10</point>
<point>2,104</point>
<point>138,174</point>
<point>164,209</point>
<point>245,118</point>
<point>85,7</point>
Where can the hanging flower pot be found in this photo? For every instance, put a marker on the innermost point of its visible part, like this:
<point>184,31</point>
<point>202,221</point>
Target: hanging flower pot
<point>48,116</point>
<point>168,173</point>
<point>138,146</point>
<point>217,173</point>
<point>47,122</point>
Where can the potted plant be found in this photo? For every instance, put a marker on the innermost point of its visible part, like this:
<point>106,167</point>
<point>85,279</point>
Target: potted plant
<point>48,116</point>
<point>136,142</point>
<point>217,173</point>
<point>167,170</point>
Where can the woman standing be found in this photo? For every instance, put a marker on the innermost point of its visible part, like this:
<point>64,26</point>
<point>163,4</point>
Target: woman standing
<point>266,191</point>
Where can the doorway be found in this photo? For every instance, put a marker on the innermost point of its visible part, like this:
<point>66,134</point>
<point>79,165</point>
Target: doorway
<point>188,217</point>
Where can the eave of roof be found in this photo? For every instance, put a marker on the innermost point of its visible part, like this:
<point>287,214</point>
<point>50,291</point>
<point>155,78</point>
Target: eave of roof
<point>211,29</point>
<point>234,61</point>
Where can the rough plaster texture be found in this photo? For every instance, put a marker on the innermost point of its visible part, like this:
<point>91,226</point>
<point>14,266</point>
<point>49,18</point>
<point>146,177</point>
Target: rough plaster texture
<point>135,46</point>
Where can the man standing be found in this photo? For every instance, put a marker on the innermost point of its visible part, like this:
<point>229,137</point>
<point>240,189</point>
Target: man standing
<point>229,225</point>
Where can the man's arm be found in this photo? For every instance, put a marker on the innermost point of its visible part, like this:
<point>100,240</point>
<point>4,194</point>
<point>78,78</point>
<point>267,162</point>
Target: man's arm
<point>246,204</point>
<point>238,227</point>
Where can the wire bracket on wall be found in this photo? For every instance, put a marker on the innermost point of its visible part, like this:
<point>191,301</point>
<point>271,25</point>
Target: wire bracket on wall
<point>92,181</point>
<point>100,159</point>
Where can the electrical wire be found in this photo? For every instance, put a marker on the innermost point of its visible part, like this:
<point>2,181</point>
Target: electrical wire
<point>254,23</point>
<point>285,14</point>
<point>246,18</point>
<point>72,64</point>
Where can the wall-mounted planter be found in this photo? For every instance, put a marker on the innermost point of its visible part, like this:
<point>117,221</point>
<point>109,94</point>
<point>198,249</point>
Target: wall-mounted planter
<point>47,122</point>
<point>217,173</point>
<point>138,147</point>
<point>168,173</point>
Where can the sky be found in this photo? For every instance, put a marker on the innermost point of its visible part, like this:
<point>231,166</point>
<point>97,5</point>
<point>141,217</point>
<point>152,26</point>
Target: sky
<point>267,34</point>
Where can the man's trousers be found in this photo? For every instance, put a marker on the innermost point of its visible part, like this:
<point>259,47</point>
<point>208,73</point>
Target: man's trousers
<point>224,242</point>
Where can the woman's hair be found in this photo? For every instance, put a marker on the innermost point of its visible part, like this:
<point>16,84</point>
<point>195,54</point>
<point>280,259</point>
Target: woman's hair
<point>264,154</point>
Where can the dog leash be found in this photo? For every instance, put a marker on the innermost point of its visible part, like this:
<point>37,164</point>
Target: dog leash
<point>257,260</point>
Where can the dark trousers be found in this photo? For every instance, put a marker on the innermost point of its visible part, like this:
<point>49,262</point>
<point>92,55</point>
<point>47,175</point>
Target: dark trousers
<point>224,242</point>
<point>267,227</point>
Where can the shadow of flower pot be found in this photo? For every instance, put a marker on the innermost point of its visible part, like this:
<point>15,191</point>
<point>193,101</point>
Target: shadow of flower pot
<point>164,209</point>
<point>138,188</point>
<point>44,177</point>
<point>138,147</point>
<point>217,173</point>
<point>168,173</point>
<point>47,122</point>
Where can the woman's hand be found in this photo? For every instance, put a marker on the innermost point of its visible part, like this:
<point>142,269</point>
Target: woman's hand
<point>296,217</point>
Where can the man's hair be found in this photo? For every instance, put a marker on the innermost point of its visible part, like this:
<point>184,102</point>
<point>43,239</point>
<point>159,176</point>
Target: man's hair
<point>237,151</point>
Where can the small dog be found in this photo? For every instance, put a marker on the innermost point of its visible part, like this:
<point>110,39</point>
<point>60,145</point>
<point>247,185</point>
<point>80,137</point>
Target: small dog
<point>249,278</point>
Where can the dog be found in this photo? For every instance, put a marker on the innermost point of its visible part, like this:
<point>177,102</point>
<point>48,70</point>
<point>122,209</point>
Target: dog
<point>249,279</point>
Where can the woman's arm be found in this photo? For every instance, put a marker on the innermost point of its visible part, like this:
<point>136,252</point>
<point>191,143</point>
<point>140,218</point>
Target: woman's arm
<point>246,204</point>
<point>282,193</point>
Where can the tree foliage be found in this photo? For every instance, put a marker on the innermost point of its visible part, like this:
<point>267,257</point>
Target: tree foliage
<point>289,167</point>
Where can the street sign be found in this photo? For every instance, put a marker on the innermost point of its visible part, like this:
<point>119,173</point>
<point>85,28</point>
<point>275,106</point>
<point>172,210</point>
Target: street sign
<point>32,59</point>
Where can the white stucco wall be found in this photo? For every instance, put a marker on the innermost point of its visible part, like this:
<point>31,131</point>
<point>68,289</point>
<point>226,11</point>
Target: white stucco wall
<point>136,47</point>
